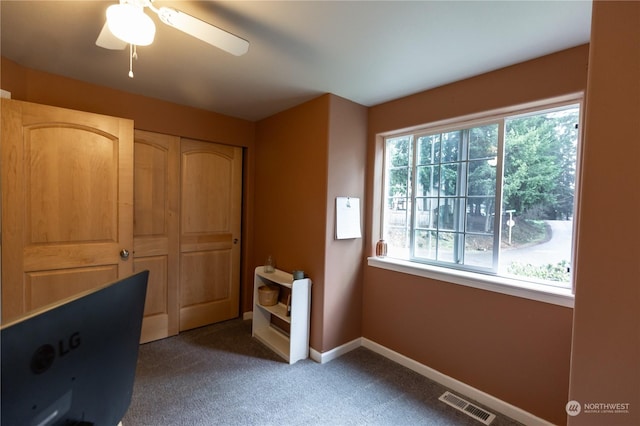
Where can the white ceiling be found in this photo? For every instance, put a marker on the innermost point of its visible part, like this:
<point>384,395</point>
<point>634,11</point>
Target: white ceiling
<point>368,52</point>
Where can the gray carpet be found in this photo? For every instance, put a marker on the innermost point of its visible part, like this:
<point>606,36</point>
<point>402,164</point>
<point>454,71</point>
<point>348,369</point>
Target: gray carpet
<point>220,375</point>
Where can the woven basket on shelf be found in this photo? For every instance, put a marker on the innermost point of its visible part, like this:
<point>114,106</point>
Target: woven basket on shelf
<point>267,295</point>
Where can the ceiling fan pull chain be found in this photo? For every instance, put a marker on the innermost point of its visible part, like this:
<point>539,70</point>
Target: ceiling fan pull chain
<point>131,61</point>
<point>133,54</point>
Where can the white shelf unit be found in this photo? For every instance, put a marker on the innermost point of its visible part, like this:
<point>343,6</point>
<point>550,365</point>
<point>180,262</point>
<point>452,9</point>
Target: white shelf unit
<point>292,347</point>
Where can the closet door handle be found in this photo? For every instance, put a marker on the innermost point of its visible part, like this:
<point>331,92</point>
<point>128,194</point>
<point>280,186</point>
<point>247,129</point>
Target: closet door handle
<point>124,254</point>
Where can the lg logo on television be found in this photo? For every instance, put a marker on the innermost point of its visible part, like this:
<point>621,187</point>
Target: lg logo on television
<point>44,356</point>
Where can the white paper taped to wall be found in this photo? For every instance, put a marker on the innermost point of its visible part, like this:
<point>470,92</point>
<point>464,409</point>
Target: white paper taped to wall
<point>348,218</point>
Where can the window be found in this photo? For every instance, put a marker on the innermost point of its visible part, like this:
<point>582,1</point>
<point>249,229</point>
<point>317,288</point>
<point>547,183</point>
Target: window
<point>494,196</point>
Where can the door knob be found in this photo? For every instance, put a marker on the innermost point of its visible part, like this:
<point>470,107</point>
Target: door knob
<point>124,254</point>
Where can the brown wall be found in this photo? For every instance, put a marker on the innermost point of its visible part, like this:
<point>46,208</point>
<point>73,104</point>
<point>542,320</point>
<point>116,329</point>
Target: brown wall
<point>148,114</point>
<point>342,320</point>
<point>515,349</point>
<point>306,157</point>
<point>605,362</point>
<point>291,196</point>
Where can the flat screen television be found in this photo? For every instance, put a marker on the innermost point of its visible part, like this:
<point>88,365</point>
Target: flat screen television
<point>74,362</point>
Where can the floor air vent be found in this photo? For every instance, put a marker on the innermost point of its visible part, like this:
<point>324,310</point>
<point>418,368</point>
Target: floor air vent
<point>467,408</point>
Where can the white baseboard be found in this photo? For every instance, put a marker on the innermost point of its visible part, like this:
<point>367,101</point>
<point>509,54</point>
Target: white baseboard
<point>483,398</point>
<point>322,357</point>
<point>455,385</point>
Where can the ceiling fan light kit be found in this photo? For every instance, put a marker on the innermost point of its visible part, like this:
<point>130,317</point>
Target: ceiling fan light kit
<point>129,23</point>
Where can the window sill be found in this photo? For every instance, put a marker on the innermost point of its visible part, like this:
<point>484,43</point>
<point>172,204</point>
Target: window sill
<point>532,291</point>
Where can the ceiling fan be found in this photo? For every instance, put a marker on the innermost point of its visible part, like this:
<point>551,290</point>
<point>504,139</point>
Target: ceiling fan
<point>127,24</point>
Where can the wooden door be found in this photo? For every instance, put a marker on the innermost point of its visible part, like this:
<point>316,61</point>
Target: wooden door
<point>211,188</point>
<point>67,203</point>
<point>156,229</point>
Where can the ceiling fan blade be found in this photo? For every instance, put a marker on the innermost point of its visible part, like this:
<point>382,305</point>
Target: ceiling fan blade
<point>204,31</point>
<point>107,40</point>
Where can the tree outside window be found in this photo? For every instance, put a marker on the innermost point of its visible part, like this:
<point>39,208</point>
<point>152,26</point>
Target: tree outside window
<point>487,198</point>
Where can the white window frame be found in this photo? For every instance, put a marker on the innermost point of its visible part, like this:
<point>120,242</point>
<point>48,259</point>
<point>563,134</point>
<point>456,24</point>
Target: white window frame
<point>505,285</point>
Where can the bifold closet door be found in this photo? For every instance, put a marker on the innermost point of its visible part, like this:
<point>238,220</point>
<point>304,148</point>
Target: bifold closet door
<point>67,203</point>
<point>156,229</point>
<point>211,196</point>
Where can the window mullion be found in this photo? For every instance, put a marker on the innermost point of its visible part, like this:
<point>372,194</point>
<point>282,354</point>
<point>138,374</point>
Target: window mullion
<point>412,196</point>
<point>461,196</point>
<point>497,224</point>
